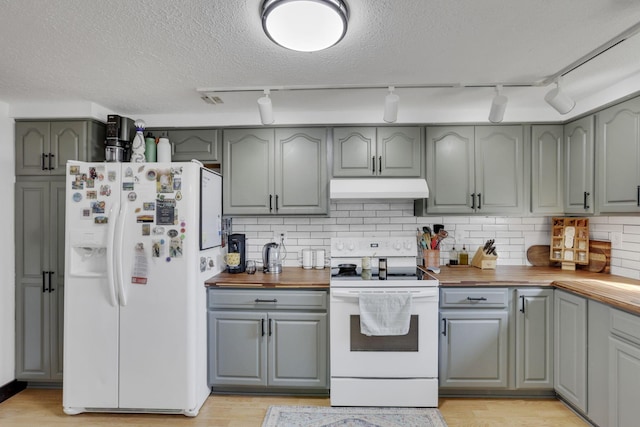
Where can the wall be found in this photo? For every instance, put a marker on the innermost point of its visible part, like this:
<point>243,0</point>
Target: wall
<point>513,235</point>
<point>7,286</point>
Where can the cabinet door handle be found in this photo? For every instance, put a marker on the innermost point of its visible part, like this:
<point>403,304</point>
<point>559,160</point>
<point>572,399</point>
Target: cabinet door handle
<point>270,326</point>
<point>44,281</point>
<point>51,156</point>
<point>444,327</point>
<point>277,202</point>
<point>373,164</point>
<point>270,202</point>
<point>584,202</point>
<point>476,299</point>
<point>523,303</point>
<point>473,200</point>
<point>50,273</point>
<point>262,326</point>
<point>638,196</point>
<point>479,200</point>
<point>44,156</point>
<point>265,300</point>
<point>380,164</point>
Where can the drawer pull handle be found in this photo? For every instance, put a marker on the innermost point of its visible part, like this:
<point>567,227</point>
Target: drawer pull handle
<point>270,327</point>
<point>262,326</point>
<point>444,327</point>
<point>523,303</point>
<point>584,202</point>
<point>476,299</point>
<point>473,201</point>
<point>266,300</point>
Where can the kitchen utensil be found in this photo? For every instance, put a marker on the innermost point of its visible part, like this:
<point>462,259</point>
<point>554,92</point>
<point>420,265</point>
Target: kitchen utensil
<point>605,247</point>
<point>597,260</point>
<point>539,255</point>
<point>272,258</point>
<point>251,267</point>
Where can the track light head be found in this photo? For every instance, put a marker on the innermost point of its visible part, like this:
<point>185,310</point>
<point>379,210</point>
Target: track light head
<point>391,106</point>
<point>498,106</point>
<point>559,100</point>
<point>265,108</point>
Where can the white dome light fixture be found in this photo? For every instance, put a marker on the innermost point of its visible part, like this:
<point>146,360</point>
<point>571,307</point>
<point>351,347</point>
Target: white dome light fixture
<point>559,100</point>
<point>305,25</point>
<point>498,106</point>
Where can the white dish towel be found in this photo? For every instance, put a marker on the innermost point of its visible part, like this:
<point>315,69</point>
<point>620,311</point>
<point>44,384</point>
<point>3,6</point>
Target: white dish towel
<point>385,313</point>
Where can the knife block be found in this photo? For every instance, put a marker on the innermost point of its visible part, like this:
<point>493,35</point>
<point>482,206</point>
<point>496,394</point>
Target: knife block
<point>484,261</point>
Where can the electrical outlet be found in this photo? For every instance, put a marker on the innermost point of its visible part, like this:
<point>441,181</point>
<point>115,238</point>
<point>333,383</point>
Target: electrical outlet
<point>616,240</point>
<point>280,235</point>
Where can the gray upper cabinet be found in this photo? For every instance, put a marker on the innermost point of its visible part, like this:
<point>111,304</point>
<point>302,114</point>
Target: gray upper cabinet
<point>534,338</point>
<point>475,169</point>
<point>44,147</point>
<point>187,144</point>
<point>579,166</point>
<point>39,238</point>
<point>570,348</point>
<point>384,151</point>
<point>547,168</point>
<point>281,171</point>
<point>618,148</point>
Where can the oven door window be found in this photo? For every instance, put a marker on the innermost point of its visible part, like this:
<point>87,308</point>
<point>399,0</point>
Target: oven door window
<point>360,342</point>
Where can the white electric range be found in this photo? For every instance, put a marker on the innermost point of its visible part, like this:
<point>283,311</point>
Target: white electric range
<point>388,370</point>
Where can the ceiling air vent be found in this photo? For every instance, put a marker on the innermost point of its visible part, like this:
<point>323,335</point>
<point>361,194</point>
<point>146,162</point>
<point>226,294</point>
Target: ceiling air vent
<point>211,98</point>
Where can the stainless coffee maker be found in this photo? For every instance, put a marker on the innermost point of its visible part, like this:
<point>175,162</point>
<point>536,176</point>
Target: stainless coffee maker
<point>120,130</point>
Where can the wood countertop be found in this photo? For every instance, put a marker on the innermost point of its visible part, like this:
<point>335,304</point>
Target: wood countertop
<point>619,292</point>
<point>291,277</point>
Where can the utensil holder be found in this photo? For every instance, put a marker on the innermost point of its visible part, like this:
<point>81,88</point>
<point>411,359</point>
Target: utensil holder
<point>431,257</point>
<point>484,261</point>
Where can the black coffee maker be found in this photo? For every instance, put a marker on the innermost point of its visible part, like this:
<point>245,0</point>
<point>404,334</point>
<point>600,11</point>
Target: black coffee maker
<point>237,244</point>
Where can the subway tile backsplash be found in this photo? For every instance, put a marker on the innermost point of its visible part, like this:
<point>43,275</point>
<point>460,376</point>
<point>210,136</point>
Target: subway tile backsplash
<point>513,235</point>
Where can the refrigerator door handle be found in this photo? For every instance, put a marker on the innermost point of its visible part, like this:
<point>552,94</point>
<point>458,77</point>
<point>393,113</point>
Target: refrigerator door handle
<point>122,296</point>
<point>111,271</point>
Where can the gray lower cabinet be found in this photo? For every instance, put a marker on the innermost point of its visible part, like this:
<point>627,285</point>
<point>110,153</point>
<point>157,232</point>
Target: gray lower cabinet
<point>44,147</point>
<point>475,169</point>
<point>268,340</point>
<point>281,171</point>
<point>547,167</point>
<point>202,144</point>
<point>570,348</point>
<point>579,166</point>
<point>473,338</point>
<point>39,242</point>
<point>393,151</point>
<point>534,338</point>
<point>618,148</point>
<point>598,329</point>
<point>624,369</point>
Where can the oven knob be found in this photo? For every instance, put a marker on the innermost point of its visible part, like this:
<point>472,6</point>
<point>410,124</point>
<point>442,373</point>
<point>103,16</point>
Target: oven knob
<point>351,246</point>
<point>408,244</point>
<point>340,246</point>
<point>397,246</point>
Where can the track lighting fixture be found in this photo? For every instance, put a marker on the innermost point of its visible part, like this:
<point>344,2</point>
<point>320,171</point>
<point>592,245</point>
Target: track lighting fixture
<point>305,25</point>
<point>391,106</point>
<point>266,108</point>
<point>559,100</point>
<point>498,106</point>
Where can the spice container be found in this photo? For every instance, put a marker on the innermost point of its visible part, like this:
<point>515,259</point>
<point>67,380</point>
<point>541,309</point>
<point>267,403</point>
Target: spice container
<point>463,257</point>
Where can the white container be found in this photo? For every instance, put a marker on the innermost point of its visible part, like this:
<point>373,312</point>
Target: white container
<point>307,259</point>
<point>319,260</point>
<point>164,150</point>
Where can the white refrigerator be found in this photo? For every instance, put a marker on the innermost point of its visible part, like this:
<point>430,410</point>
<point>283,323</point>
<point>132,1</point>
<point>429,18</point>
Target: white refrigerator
<point>138,241</point>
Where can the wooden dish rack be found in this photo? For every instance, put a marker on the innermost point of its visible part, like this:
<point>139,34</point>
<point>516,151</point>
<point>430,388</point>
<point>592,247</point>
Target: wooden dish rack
<point>570,241</point>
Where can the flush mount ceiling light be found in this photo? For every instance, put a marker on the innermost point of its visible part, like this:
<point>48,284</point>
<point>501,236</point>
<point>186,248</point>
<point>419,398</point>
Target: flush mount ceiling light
<point>391,106</point>
<point>305,25</point>
<point>498,106</point>
<point>559,100</point>
<point>266,108</point>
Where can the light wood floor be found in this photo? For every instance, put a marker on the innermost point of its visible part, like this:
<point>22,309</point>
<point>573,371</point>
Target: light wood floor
<point>43,408</point>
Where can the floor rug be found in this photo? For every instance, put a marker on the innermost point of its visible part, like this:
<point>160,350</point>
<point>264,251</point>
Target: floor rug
<point>322,416</point>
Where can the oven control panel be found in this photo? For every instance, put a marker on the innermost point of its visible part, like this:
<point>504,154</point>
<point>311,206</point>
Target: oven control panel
<point>373,246</point>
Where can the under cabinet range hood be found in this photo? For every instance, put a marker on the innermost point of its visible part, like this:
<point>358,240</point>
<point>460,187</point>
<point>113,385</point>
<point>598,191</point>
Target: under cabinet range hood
<point>379,188</point>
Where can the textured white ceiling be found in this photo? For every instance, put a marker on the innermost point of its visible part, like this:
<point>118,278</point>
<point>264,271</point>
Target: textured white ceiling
<point>148,57</point>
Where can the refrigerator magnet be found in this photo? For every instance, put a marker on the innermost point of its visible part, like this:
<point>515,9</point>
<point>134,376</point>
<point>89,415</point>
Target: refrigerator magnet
<point>177,183</point>
<point>164,182</point>
<point>175,248</point>
<point>148,206</point>
<point>146,229</point>
<point>132,196</point>
<point>101,220</point>
<point>86,213</point>
<point>98,207</point>
<point>128,172</point>
<point>74,170</point>
<point>92,195</point>
<point>140,266</point>
<point>151,175</point>
<point>157,248</point>
<point>93,174</point>
<point>77,197</point>
<point>111,176</point>
<point>127,186</point>
<point>105,190</point>
<point>179,195</point>
<point>172,233</point>
<point>78,184</point>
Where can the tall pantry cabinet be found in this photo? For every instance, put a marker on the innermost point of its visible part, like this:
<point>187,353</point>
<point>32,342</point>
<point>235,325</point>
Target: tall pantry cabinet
<point>42,150</point>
